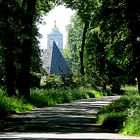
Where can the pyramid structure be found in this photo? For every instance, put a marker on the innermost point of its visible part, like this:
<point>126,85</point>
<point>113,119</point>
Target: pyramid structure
<point>54,62</point>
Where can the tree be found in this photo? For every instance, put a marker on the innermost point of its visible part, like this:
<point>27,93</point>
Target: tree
<point>7,25</point>
<point>133,18</point>
<point>84,9</point>
<point>120,23</point>
<point>74,30</point>
<point>116,42</point>
<point>18,21</point>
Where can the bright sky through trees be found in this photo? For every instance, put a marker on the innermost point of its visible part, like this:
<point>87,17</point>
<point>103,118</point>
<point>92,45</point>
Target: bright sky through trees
<point>62,16</point>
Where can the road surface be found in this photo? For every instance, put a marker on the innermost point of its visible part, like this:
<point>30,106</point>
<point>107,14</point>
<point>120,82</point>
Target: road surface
<point>69,121</point>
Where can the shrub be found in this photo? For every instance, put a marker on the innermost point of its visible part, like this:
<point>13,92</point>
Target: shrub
<point>132,124</point>
<point>122,115</point>
<point>131,90</point>
<point>13,104</point>
<point>43,97</point>
<point>113,121</point>
<point>58,81</point>
<point>120,105</point>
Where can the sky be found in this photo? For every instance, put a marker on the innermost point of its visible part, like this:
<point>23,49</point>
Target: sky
<point>62,16</point>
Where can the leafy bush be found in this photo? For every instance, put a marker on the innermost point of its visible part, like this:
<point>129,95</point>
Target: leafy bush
<point>113,121</point>
<point>132,125</point>
<point>131,90</point>
<point>55,81</point>
<point>45,97</point>
<point>122,115</point>
<point>120,105</point>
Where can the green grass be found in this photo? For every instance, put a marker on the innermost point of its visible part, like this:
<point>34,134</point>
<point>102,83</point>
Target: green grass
<point>130,90</point>
<point>122,115</point>
<point>43,97</point>
<point>113,120</point>
<point>13,104</point>
<point>132,124</point>
<point>56,96</point>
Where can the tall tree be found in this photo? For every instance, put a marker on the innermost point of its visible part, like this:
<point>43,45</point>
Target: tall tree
<point>133,18</point>
<point>32,8</point>
<point>74,30</point>
<point>85,10</point>
<point>16,26</point>
<point>27,21</point>
<point>7,40</point>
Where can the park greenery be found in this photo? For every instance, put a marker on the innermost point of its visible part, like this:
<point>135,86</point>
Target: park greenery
<point>123,114</point>
<point>43,97</point>
<point>102,51</point>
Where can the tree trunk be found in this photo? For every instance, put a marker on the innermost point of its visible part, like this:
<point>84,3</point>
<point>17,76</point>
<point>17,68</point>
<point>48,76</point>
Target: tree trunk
<point>86,25</point>
<point>7,39</point>
<point>25,68</point>
<point>102,63</point>
<point>132,12</point>
<point>24,88</point>
<point>10,69</point>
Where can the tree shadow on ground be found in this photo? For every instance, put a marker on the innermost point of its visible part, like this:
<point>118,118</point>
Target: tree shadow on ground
<point>75,117</point>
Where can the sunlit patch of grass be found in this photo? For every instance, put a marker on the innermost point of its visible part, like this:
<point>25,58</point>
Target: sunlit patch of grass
<point>132,125</point>
<point>120,105</point>
<point>13,104</point>
<point>130,90</point>
<point>44,97</point>
<point>48,97</point>
<point>122,115</point>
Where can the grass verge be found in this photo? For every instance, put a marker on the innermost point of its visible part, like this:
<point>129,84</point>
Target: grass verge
<point>43,97</point>
<point>9,105</point>
<point>122,115</point>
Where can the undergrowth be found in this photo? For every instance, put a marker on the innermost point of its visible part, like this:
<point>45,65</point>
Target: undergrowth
<point>122,115</point>
<point>43,97</point>
<point>13,104</point>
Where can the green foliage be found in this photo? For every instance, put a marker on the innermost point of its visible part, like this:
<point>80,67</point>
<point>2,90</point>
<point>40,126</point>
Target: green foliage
<point>113,121</point>
<point>13,104</point>
<point>122,115</point>
<point>131,126</point>
<point>130,90</point>
<point>74,30</point>
<point>43,97</point>
<point>55,96</point>
<point>121,105</point>
<point>19,50</point>
<point>58,81</point>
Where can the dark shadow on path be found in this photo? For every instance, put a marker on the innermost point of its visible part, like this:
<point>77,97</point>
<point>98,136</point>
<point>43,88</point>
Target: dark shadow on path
<point>78,116</point>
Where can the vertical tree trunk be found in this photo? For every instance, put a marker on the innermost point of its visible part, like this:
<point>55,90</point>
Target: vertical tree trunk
<point>132,12</point>
<point>26,49</point>
<point>25,69</point>
<point>10,69</point>
<point>102,64</point>
<point>86,25</point>
<point>7,39</point>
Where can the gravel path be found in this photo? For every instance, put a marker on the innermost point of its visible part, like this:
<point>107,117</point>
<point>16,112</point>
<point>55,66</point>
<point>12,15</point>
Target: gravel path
<point>70,121</point>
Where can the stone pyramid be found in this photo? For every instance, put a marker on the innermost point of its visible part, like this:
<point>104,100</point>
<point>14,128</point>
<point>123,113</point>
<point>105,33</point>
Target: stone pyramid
<point>54,62</point>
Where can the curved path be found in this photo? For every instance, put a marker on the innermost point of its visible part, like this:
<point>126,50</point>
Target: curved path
<point>70,121</point>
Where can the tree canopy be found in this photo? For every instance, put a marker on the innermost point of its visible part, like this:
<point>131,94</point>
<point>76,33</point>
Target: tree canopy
<point>103,42</point>
<point>112,42</point>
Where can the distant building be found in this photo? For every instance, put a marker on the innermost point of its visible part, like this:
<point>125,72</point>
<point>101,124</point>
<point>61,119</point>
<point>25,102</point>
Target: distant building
<point>56,36</point>
<point>54,62</point>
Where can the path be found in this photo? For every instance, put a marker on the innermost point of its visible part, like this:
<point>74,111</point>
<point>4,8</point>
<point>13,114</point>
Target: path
<point>75,120</point>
